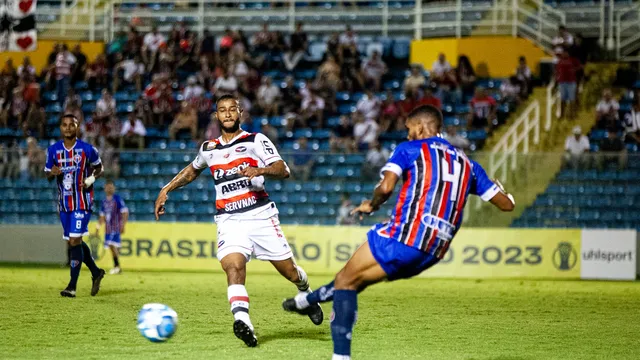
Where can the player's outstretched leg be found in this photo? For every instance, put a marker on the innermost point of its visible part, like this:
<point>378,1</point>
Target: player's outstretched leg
<point>294,273</point>
<point>97,274</point>
<point>234,265</point>
<point>75,256</point>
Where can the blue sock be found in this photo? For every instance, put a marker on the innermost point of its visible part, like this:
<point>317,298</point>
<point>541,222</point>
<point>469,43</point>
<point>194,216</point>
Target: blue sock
<point>88,259</point>
<point>321,294</point>
<point>345,308</point>
<point>76,264</point>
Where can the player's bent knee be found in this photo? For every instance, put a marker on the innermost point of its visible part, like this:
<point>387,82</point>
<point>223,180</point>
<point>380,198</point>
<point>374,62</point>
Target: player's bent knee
<point>345,280</point>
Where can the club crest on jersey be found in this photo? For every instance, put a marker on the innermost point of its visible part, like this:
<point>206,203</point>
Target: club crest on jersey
<point>241,149</point>
<point>211,145</point>
<point>77,158</point>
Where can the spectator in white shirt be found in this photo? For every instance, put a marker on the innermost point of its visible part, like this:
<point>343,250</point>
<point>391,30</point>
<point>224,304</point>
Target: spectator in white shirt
<point>132,133</point>
<point>312,109</point>
<point>225,84</point>
<point>268,97</point>
<point>369,105</point>
<point>377,156</point>
<point>562,41</point>
<point>440,68</point>
<point>631,123</point>
<point>63,65</point>
<point>577,149</point>
<point>105,107</point>
<point>373,69</point>
<point>510,90</point>
<point>365,132</point>
<point>193,90</point>
<point>607,111</point>
<point>348,38</point>
<point>132,73</point>
<point>26,67</point>
<point>415,80</point>
<point>150,46</point>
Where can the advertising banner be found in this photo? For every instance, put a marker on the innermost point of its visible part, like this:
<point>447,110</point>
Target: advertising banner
<point>608,254</point>
<point>474,253</point>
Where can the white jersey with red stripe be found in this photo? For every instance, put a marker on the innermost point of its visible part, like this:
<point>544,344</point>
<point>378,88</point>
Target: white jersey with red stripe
<point>236,196</point>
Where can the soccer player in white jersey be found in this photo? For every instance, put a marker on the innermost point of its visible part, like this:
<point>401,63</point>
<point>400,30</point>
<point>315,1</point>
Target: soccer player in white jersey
<point>247,220</point>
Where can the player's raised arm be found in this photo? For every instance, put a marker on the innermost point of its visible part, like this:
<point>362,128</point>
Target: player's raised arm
<point>490,191</point>
<point>184,177</point>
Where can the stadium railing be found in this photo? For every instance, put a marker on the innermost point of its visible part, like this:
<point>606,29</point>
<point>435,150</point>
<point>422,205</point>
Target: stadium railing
<point>552,101</point>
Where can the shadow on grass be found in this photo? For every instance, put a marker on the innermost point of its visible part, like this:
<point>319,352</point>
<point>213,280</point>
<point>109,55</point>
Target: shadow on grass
<point>318,333</point>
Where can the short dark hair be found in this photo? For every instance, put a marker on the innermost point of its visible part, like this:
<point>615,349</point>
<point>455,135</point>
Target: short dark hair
<point>68,115</point>
<point>427,111</point>
<point>226,97</point>
<point>109,181</point>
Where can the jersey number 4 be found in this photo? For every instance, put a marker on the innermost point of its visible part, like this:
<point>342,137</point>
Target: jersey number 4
<point>452,178</point>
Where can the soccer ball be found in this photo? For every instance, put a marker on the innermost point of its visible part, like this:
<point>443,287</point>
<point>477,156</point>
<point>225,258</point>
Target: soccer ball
<point>157,322</point>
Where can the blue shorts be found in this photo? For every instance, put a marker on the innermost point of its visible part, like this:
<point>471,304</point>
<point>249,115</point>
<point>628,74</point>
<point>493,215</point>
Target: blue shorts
<point>398,260</point>
<point>112,239</point>
<point>75,223</point>
<point>567,91</point>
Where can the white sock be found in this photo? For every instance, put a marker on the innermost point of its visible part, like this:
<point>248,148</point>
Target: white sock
<point>303,283</point>
<point>239,300</point>
<point>340,357</point>
<point>301,300</point>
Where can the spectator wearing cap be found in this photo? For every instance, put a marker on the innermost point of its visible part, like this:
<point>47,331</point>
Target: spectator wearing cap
<point>132,133</point>
<point>612,149</point>
<point>631,123</point>
<point>607,111</point>
<point>577,149</point>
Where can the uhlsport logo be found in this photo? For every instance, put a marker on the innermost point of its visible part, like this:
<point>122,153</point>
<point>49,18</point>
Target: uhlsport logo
<point>565,256</point>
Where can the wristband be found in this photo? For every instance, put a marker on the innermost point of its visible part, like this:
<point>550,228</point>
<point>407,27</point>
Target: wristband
<point>90,180</point>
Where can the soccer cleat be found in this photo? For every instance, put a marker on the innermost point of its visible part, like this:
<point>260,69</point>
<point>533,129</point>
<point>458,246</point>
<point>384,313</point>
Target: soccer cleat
<point>68,293</point>
<point>244,333</point>
<point>314,311</point>
<point>115,271</point>
<point>96,282</point>
<point>315,314</point>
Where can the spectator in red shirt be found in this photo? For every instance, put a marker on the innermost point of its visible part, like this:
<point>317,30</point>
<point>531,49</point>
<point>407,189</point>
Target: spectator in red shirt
<point>409,102</point>
<point>429,99</point>
<point>483,110</point>
<point>566,76</point>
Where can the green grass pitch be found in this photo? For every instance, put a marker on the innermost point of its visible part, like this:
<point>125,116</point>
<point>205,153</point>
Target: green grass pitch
<point>410,319</point>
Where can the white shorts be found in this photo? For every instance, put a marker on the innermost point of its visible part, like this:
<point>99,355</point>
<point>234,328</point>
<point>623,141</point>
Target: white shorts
<point>262,237</point>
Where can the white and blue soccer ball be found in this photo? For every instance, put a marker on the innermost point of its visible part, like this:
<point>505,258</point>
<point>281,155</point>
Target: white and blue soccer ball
<point>157,322</point>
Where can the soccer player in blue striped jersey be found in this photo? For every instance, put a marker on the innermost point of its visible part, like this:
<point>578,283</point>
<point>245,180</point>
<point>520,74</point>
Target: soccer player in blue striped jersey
<point>75,165</point>
<point>113,215</point>
<point>437,180</point>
